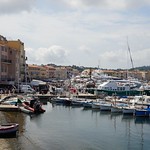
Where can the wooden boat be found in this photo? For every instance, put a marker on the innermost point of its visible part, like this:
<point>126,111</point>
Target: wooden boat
<point>105,107</point>
<point>88,104</point>
<point>129,110</point>
<point>61,100</point>
<point>118,107</point>
<point>97,104</point>
<point>143,112</point>
<point>9,129</point>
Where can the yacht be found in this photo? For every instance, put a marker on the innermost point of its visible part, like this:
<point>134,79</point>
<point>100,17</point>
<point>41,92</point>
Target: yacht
<point>119,87</point>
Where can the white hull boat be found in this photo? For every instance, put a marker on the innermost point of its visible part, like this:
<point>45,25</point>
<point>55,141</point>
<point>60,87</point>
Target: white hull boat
<point>129,110</point>
<point>96,105</point>
<point>116,109</point>
<point>105,107</point>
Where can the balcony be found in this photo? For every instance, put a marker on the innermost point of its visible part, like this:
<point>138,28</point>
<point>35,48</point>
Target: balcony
<point>6,61</point>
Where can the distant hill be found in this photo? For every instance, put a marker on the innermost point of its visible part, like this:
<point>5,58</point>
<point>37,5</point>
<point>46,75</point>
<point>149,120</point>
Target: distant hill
<point>143,68</point>
<point>81,68</point>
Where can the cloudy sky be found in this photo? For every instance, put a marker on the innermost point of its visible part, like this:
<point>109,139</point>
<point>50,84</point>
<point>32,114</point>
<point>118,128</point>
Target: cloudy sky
<point>80,32</point>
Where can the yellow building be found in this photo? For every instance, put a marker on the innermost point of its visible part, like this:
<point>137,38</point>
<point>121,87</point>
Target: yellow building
<point>34,71</point>
<point>147,76</point>
<point>60,73</point>
<point>18,47</point>
<point>43,72</point>
<point>8,57</point>
<point>50,71</point>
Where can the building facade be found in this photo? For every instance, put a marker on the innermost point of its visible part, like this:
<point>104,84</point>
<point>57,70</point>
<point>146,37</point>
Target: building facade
<point>7,63</point>
<point>12,59</point>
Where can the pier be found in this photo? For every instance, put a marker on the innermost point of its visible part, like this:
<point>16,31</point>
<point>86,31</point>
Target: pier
<point>9,108</point>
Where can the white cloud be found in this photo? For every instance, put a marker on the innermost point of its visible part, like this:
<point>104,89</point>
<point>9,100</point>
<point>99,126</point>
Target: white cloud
<point>101,4</point>
<point>121,59</point>
<point>54,54</point>
<point>141,57</point>
<point>85,49</point>
<point>80,36</point>
<point>15,6</point>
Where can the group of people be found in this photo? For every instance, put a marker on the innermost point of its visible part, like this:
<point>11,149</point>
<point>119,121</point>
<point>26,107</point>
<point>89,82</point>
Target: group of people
<point>6,91</point>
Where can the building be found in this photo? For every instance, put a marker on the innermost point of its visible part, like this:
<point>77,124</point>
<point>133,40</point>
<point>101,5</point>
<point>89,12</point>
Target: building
<point>60,73</point>
<point>33,71</point>
<point>8,63</point>
<point>147,76</point>
<point>50,70</point>
<point>12,60</point>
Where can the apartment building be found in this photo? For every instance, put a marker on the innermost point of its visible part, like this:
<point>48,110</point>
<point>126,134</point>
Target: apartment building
<point>8,63</point>
<point>50,70</point>
<point>61,73</point>
<point>33,71</point>
<point>43,72</point>
<point>147,76</point>
<point>19,46</point>
<point>12,60</point>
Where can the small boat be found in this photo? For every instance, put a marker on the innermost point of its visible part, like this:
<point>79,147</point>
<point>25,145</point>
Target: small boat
<point>97,104</point>
<point>77,102</point>
<point>118,108</point>
<point>33,106</point>
<point>129,110</point>
<point>105,107</point>
<point>9,129</point>
<point>88,104</point>
<point>25,110</point>
<point>61,100</point>
<point>143,112</point>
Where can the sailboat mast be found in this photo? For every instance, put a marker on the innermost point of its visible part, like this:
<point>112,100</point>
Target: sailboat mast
<point>130,54</point>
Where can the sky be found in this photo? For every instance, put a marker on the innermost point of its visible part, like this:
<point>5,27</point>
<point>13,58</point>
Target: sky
<point>88,33</point>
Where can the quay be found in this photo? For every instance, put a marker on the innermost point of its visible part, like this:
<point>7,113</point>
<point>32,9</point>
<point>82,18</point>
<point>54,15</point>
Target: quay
<point>48,97</point>
<point>9,108</point>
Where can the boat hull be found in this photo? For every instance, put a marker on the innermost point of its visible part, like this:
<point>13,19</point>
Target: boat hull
<point>128,110</point>
<point>120,93</point>
<point>95,106</point>
<point>105,107</point>
<point>116,109</point>
<point>9,129</point>
<point>142,113</point>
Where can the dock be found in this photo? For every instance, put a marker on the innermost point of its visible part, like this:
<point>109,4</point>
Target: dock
<point>9,108</point>
<point>48,97</point>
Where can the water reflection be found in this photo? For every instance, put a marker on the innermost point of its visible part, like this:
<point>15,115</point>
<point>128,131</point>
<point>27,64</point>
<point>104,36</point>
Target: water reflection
<point>142,120</point>
<point>65,127</point>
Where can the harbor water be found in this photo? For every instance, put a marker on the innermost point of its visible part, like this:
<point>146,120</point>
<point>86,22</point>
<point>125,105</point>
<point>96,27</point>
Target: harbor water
<point>75,128</point>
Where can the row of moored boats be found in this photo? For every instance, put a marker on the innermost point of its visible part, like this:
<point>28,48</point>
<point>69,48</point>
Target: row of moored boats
<point>137,105</point>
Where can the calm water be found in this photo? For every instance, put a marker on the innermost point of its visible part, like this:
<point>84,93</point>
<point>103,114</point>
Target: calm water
<point>67,128</point>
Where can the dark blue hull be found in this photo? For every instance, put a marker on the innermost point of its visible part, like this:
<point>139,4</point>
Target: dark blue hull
<point>142,113</point>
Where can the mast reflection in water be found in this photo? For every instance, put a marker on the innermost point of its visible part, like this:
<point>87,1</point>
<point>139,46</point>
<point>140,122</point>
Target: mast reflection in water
<point>75,128</point>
